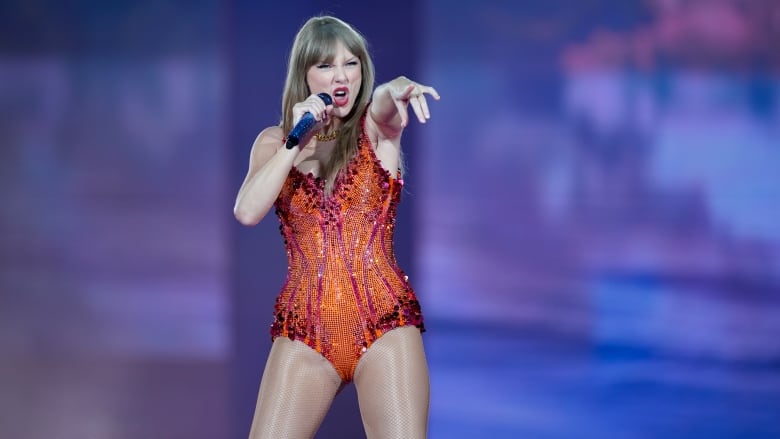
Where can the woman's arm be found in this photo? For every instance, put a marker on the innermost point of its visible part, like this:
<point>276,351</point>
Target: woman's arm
<point>389,104</point>
<point>269,165</point>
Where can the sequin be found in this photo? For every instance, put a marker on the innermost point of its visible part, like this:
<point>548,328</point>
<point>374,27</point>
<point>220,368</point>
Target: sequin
<point>342,273</point>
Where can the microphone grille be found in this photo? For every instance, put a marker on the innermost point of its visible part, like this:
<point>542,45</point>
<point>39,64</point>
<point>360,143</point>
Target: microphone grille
<point>325,98</point>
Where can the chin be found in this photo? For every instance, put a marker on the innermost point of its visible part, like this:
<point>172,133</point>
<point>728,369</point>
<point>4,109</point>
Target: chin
<point>344,111</point>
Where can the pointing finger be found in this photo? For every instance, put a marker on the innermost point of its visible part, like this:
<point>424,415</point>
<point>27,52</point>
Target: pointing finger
<point>401,111</point>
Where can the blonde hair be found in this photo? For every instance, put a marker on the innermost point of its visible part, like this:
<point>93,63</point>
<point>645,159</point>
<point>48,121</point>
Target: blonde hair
<point>316,42</point>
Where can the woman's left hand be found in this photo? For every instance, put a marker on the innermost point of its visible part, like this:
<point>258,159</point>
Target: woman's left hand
<point>405,92</point>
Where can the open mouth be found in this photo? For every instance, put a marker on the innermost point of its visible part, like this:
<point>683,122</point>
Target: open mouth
<point>341,96</point>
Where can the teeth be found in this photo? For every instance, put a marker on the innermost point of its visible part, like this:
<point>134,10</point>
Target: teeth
<point>340,93</point>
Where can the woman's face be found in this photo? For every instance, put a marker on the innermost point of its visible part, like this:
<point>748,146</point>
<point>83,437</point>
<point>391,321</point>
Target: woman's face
<point>341,79</point>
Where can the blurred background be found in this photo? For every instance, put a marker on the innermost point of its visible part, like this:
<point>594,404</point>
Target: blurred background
<point>591,218</point>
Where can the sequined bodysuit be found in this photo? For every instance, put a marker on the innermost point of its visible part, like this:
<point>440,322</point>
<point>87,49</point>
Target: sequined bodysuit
<point>344,288</point>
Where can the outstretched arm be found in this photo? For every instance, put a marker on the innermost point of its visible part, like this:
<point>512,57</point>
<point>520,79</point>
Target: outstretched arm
<point>389,106</point>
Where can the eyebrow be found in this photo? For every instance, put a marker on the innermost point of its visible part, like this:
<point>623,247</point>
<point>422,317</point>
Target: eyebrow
<point>330,59</point>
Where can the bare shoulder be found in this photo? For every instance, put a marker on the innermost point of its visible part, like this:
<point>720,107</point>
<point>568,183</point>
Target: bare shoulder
<point>270,136</point>
<point>266,144</point>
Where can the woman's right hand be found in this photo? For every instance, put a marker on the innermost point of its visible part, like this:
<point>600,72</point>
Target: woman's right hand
<point>321,112</point>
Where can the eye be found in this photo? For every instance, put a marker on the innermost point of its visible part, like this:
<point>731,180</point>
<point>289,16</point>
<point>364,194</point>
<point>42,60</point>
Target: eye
<point>352,63</point>
<point>323,66</point>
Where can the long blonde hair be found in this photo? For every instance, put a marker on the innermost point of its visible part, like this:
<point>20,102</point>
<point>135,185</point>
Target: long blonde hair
<point>316,41</point>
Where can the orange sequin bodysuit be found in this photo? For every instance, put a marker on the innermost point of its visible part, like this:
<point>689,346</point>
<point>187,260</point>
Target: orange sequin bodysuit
<point>344,288</point>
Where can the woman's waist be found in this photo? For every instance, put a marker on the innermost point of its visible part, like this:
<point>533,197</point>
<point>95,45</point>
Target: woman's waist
<point>334,270</point>
<point>345,288</point>
<point>345,270</point>
<point>340,255</point>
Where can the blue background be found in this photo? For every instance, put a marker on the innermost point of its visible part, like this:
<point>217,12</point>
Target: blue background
<point>590,218</point>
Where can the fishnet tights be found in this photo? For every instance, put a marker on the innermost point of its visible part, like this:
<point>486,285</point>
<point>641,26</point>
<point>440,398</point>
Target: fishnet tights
<point>392,386</point>
<point>299,385</point>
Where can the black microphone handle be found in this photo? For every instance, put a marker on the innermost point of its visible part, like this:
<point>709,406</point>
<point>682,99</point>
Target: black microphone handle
<point>305,124</point>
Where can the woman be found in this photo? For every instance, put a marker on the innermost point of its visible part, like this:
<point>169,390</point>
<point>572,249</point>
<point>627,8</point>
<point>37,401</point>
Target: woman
<point>346,311</point>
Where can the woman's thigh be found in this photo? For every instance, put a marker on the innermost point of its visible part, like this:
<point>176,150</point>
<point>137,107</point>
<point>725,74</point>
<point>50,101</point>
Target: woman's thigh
<point>393,387</point>
<point>296,391</point>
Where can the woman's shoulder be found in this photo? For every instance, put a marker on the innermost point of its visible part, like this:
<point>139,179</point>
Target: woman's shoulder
<point>269,139</point>
<point>271,134</point>
<point>266,144</point>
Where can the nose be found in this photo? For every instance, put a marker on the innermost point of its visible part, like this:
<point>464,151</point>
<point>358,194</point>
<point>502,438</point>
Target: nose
<point>340,75</point>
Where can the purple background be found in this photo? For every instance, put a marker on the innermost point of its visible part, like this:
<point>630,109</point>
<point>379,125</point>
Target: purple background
<point>590,221</point>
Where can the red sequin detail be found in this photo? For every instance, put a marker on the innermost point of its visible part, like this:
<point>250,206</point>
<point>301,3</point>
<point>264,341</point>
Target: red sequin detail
<point>344,288</point>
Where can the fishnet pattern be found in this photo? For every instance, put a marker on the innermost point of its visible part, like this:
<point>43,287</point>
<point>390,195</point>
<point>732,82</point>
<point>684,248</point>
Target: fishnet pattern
<point>297,388</point>
<point>392,385</point>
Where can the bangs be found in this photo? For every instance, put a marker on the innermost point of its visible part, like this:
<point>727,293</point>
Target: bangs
<point>321,50</point>
<point>323,47</point>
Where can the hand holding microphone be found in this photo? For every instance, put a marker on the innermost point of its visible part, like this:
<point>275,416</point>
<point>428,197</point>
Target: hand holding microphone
<point>307,122</point>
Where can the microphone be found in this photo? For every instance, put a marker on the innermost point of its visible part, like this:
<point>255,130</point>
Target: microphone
<point>305,124</point>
